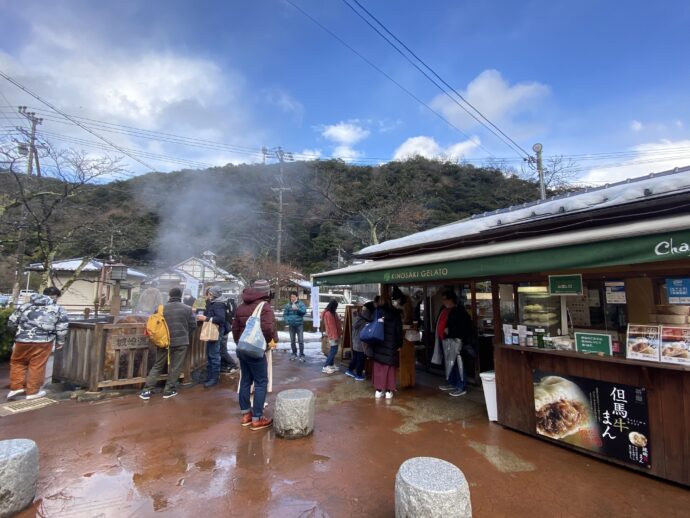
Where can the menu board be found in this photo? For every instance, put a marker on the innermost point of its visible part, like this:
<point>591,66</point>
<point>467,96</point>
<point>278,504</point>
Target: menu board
<point>607,418</point>
<point>675,344</point>
<point>678,291</point>
<point>643,342</point>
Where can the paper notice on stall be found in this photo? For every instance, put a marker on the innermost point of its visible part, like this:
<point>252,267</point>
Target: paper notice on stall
<point>507,334</point>
<point>522,333</point>
<point>315,315</point>
<point>615,292</point>
<point>643,342</point>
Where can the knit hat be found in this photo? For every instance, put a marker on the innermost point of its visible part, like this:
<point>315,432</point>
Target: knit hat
<point>262,286</point>
<point>214,291</point>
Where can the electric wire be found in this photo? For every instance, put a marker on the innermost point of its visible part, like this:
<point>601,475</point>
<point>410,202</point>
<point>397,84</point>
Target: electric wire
<point>511,143</point>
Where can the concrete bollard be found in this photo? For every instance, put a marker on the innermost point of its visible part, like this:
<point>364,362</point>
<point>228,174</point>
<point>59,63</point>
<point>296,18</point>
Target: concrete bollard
<point>294,413</point>
<point>18,475</point>
<point>433,488</point>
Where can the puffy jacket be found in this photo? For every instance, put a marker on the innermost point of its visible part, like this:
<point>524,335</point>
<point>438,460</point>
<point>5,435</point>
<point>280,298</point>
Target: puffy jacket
<point>40,320</point>
<point>387,352</point>
<point>215,309</point>
<point>357,325</point>
<point>459,324</point>
<point>294,317</point>
<point>181,322</point>
<point>332,325</point>
<point>251,298</point>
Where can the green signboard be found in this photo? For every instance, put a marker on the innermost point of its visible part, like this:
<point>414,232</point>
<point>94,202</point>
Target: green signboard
<point>565,284</point>
<point>593,343</point>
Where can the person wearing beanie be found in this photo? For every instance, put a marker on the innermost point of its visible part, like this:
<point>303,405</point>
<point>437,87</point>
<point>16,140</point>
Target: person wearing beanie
<point>215,309</point>
<point>181,325</point>
<point>254,370</point>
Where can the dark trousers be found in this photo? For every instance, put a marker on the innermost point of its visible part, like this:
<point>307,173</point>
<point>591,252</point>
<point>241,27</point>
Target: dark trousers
<point>254,370</point>
<point>226,361</point>
<point>297,333</point>
<point>177,356</point>
<point>213,360</point>
<point>357,363</point>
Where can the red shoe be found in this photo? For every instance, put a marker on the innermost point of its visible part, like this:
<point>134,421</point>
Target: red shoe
<point>246,419</point>
<point>262,423</point>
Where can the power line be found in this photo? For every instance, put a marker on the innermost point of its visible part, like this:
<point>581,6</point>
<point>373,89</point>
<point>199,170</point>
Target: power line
<point>510,142</point>
<point>380,71</point>
<point>51,106</point>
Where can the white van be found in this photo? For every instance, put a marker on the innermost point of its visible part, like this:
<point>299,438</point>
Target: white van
<point>325,298</point>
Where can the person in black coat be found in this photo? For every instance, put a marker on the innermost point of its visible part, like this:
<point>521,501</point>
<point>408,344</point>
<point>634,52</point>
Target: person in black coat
<point>215,309</point>
<point>386,357</point>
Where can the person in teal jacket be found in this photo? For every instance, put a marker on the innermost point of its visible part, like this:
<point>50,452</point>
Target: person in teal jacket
<point>293,313</point>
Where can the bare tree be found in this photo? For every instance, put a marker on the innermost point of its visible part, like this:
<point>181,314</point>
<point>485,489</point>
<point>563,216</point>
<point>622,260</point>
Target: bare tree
<point>560,173</point>
<point>49,217</point>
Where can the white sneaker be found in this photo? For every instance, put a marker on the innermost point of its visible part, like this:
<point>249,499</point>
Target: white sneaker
<point>325,370</point>
<point>14,393</point>
<point>40,393</point>
<point>332,369</point>
<point>389,394</point>
<point>378,394</point>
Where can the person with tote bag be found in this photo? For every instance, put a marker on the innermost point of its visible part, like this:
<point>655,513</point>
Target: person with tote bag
<point>214,324</point>
<point>254,368</point>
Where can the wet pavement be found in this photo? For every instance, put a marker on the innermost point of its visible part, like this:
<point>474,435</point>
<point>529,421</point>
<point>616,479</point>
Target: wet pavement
<point>188,456</point>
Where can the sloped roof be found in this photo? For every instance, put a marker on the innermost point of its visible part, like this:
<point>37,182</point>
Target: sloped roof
<point>629,191</point>
<point>71,265</point>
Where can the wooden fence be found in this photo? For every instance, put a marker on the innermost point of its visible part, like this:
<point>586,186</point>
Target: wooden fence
<point>101,355</point>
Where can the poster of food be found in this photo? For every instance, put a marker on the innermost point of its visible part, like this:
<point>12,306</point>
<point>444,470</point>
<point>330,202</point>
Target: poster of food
<point>675,344</point>
<point>606,418</point>
<point>643,342</point>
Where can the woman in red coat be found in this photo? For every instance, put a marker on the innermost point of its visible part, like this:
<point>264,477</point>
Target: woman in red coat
<point>333,330</point>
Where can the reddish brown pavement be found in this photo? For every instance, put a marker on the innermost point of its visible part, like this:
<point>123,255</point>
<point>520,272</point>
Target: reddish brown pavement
<point>188,456</point>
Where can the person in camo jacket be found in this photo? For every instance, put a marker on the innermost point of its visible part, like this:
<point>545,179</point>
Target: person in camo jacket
<point>38,323</point>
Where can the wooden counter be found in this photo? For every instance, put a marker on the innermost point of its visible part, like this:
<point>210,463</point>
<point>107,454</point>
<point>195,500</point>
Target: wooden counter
<point>668,399</point>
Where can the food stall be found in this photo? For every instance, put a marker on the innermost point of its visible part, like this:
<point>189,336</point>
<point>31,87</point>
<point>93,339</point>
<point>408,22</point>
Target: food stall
<point>590,303</point>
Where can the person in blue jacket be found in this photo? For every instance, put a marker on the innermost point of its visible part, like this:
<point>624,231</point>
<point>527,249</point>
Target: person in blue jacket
<point>293,313</point>
<point>215,309</point>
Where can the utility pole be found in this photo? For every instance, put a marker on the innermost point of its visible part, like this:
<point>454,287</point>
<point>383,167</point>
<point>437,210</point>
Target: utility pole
<point>21,241</point>
<point>537,148</point>
<point>282,157</point>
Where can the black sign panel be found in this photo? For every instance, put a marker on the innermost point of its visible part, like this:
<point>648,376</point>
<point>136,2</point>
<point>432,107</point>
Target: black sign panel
<point>607,418</point>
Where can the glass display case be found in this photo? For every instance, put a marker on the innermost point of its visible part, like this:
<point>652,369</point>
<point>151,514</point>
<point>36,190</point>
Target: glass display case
<point>539,310</point>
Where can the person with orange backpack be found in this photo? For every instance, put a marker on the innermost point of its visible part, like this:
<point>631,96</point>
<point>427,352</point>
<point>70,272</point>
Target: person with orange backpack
<point>180,322</point>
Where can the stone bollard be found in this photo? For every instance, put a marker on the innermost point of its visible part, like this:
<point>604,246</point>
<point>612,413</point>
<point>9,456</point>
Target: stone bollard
<point>429,487</point>
<point>18,475</point>
<point>294,413</point>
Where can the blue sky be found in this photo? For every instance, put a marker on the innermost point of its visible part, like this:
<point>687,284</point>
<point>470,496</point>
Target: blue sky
<point>581,77</point>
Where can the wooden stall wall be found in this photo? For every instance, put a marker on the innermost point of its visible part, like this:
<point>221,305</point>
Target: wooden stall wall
<point>668,393</point>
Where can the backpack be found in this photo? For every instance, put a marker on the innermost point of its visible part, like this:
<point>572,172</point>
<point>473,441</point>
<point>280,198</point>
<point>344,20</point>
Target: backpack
<point>230,310</point>
<point>157,329</point>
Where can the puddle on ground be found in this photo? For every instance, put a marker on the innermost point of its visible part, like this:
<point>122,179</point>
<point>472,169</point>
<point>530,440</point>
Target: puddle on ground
<point>416,411</point>
<point>503,460</point>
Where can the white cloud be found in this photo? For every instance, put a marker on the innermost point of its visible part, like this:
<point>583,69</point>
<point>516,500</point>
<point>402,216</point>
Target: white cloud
<point>156,90</point>
<point>309,154</point>
<point>653,157</point>
<point>345,133</point>
<point>429,148</point>
<point>494,97</point>
<point>679,123</point>
<point>285,102</point>
<point>636,126</point>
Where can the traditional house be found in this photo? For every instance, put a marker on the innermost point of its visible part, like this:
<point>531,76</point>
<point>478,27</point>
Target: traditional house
<point>196,273</point>
<point>93,286</point>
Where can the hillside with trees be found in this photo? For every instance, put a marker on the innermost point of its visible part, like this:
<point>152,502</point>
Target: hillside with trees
<point>155,220</point>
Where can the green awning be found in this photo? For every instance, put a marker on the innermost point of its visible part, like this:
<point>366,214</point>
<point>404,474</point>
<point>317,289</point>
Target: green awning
<point>626,251</point>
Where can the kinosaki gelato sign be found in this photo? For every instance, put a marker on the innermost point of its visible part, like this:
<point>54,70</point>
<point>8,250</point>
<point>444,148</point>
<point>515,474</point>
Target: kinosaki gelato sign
<point>417,274</point>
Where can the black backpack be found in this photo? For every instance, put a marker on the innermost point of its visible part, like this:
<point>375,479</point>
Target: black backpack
<point>230,310</point>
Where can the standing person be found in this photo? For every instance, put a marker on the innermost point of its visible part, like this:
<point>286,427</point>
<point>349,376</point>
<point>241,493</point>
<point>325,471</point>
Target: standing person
<point>149,299</point>
<point>386,357</point>
<point>188,299</point>
<point>214,310</point>
<point>254,370</point>
<point>38,323</point>
<point>453,330</point>
<point>181,324</point>
<point>356,368</point>
<point>334,329</point>
<point>293,313</point>
<point>402,303</point>
<point>227,362</point>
